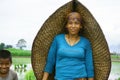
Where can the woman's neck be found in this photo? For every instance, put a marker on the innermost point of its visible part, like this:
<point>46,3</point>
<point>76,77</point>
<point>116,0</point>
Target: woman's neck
<point>72,39</point>
<point>70,36</point>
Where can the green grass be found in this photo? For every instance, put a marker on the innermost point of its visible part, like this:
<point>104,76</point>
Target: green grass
<point>119,78</point>
<point>116,67</point>
<point>30,75</point>
<point>21,60</point>
<point>20,56</point>
<point>19,52</point>
<point>115,56</point>
<point>115,70</point>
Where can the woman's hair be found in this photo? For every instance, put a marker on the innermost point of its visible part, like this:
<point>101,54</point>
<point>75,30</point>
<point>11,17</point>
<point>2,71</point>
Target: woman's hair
<point>4,54</point>
<point>81,22</point>
<point>68,16</point>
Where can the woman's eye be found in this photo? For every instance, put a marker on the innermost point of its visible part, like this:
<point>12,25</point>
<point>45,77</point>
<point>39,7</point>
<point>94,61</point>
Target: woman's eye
<point>69,22</point>
<point>77,22</point>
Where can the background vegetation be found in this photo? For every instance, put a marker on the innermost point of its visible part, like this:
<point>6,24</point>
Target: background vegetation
<point>20,52</point>
<point>30,75</point>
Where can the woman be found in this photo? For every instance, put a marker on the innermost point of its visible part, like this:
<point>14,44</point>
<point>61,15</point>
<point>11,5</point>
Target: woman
<point>70,53</point>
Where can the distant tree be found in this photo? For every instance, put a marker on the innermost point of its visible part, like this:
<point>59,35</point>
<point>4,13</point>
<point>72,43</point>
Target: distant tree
<point>2,46</point>
<point>8,46</point>
<point>21,43</point>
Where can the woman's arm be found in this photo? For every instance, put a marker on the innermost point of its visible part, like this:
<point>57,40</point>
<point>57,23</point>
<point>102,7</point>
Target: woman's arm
<point>89,62</point>
<point>51,59</point>
<point>45,76</point>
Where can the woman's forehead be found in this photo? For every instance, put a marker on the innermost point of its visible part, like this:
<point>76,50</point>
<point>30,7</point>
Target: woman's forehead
<point>74,15</point>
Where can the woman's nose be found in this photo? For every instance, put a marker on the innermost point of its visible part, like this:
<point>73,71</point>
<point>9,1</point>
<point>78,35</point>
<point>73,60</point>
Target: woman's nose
<point>73,25</point>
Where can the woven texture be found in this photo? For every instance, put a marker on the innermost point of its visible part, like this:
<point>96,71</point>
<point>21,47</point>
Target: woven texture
<point>55,25</point>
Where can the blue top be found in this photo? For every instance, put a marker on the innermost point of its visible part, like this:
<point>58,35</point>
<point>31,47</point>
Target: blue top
<point>70,62</point>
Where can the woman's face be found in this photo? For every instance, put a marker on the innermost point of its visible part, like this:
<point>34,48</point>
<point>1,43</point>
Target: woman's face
<point>73,25</point>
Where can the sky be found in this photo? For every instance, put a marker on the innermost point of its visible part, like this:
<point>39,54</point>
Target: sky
<point>22,19</point>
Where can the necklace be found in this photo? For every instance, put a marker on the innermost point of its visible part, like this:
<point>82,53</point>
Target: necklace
<point>71,41</point>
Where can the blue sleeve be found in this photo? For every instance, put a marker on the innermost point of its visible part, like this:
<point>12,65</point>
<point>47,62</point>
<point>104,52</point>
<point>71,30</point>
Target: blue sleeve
<point>89,61</point>
<point>50,63</point>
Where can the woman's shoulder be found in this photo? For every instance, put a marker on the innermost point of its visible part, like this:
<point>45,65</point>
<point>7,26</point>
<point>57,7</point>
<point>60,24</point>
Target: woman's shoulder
<point>59,36</point>
<point>85,39</point>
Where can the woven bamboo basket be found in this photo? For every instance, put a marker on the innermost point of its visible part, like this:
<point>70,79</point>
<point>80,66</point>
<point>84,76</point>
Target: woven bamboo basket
<point>55,25</point>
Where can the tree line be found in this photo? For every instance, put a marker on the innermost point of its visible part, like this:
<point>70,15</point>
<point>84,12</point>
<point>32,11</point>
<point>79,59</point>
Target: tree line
<point>20,44</point>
